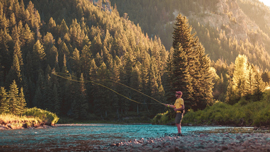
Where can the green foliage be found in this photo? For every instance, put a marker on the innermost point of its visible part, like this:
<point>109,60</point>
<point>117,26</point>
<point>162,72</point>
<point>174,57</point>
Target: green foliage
<point>162,118</point>
<point>242,113</point>
<point>262,118</point>
<point>46,116</point>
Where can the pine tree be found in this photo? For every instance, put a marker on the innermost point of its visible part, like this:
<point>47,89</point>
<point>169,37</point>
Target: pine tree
<point>101,93</point>
<point>48,41</point>
<point>153,86</point>
<point>52,26</point>
<point>85,60</point>
<point>136,83</point>
<point>63,28</point>
<point>14,105</point>
<point>115,76</point>
<point>28,36</point>
<point>12,20</point>
<point>5,53</point>
<point>205,79</point>
<point>181,79</point>
<point>169,91</point>
<point>18,52</point>
<point>251,79</point>
<point>4,102</point>
<point>182,34</point>
<point>21,101</point>
<point>259,87</point>
<point>197,81</point>
<point>82,99</point>
<point>76,61</point>
<point>91,87</point>
<point>14,72</point>
<point>39,57</point>
<point>63,52</point>
<point>238,86</point>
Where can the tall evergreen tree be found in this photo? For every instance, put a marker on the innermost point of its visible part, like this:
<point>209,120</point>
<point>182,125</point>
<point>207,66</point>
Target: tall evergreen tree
<point>205,79</point>
<point>82,99</point>
<point>21,101</point>
<point>4,105</point>
<point>259,87</point>
<point>15,106</point>
<point>181,79</point>
<point>14,72</point>
<point>237,87</point>
<point>39,57</point>
<point>136,83</point>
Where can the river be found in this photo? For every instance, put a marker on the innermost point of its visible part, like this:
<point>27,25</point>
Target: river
<point>72,135</point>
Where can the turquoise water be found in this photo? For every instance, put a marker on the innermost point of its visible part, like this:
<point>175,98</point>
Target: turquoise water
<point>93,133</point>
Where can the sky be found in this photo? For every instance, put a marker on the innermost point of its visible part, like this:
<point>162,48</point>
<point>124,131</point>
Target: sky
<point>266,2</point>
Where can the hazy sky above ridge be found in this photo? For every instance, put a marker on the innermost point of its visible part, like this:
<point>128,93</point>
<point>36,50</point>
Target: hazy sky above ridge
<point>266,2</point>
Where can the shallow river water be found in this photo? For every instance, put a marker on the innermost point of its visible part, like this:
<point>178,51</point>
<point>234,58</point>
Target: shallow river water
<point>95,134</point>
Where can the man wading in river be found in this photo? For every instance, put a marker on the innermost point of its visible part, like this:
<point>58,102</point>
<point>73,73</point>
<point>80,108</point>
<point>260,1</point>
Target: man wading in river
<point>179,108</point>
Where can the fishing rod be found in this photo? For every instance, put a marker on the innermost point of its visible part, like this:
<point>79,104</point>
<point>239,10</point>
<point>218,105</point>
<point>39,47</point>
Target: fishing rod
<point>54,73</point>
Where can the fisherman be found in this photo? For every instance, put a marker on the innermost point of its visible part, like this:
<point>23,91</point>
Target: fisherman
<point>179,108</point>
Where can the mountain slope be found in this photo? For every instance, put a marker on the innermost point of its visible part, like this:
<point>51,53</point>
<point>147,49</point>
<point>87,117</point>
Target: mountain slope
<point>219,24</point>
<point>84,40</point>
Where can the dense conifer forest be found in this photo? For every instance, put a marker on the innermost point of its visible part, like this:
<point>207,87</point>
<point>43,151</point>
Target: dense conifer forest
<point>58,55</point>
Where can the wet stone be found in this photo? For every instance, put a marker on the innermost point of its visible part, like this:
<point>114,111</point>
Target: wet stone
<point>224,148</point>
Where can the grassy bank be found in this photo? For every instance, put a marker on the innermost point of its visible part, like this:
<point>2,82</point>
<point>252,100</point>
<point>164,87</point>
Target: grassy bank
<point>32,117</point>
<point>244,113</point>
<point>46,117</point>
<point>18,122</point>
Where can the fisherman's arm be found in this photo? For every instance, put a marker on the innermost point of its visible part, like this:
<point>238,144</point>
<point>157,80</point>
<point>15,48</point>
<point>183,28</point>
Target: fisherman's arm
<point>170,106</point>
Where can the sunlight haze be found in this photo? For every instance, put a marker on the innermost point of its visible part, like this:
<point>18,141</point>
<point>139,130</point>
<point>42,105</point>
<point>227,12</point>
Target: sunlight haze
<point>266,2</point>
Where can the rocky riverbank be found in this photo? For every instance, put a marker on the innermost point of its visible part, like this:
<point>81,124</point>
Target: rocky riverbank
<point>19,125</point>
<point>96,137</point>
<point>250,142</point>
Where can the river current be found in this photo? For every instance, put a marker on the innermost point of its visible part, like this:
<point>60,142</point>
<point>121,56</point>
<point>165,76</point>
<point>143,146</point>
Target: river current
<point>96,134</point>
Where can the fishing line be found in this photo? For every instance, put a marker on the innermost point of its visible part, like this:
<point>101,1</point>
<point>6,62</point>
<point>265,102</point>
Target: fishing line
<point>54,73</point>
<point>136,91</point>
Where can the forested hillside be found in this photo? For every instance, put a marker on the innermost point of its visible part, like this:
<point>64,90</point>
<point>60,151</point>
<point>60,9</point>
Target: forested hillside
<point>225,28</point>
<point>81,59</point>
<point>85,42</point>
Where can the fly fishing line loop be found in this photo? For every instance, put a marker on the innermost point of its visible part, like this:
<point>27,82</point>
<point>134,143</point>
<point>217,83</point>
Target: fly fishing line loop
<point>71,79</point>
